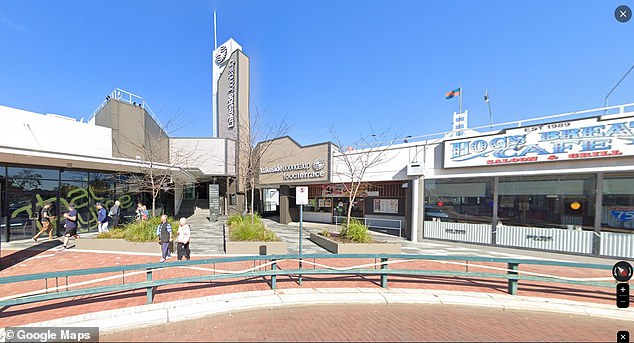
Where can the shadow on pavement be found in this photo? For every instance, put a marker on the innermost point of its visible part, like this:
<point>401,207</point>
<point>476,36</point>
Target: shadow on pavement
<point>24,254</point>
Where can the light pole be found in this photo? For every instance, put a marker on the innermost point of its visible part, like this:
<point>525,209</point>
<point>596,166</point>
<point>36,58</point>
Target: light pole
<point>605,104</point>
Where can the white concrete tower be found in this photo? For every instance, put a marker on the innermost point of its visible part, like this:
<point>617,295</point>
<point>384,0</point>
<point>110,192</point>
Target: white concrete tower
<point>220,58</point>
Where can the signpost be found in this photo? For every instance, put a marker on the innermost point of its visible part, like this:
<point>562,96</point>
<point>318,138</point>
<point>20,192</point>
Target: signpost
<point>301,199</point>
<point>214,202</point>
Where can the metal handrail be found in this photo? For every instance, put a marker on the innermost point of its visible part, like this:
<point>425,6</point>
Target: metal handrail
<point>600,111</point>
<point>130,98</point>
<point>512,272</point>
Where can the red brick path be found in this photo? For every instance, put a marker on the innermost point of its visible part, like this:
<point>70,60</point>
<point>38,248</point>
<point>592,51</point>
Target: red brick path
<point>54,261</point>
<point>384,323</point>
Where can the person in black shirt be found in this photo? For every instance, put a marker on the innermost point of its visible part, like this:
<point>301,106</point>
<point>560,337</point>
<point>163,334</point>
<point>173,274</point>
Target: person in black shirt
<point>70,225</point>
<point>164,232</point>
<point>46,218</point>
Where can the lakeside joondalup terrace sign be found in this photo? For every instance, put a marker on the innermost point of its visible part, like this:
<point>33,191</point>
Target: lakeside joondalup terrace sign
<point>567,140</point>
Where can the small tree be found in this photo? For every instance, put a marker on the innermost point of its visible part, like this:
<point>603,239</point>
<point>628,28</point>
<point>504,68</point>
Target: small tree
<point>158,164</point>
<point>263,131</point>
<point>353,160</point>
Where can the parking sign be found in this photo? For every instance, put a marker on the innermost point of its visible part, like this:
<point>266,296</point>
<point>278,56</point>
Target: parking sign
<point>301,195</point>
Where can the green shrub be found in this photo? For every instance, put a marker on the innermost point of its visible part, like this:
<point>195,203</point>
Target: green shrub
<point>112,234</point>
<point>234,219</point>
<point>143,231</point>
<point>243,230</point>
<point>356,231</point>
<point>325,233</point>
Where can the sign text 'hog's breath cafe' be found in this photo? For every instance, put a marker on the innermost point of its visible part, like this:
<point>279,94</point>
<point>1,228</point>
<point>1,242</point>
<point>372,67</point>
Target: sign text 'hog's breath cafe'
<point>569,140</point>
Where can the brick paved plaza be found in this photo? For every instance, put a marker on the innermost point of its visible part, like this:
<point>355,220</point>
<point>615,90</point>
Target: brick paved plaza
<point>318,323</point>
<point>383,323</point>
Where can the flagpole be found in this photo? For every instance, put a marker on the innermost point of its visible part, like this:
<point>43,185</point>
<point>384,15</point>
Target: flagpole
<point>460,106</point>
<point>215,37</point>
<point>488,101</point>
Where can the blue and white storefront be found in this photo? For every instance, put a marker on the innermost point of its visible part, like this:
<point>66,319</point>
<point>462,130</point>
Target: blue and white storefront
<point>562,186</point>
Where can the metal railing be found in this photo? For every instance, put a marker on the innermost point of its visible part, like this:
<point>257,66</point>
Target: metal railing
<point>432,138</point>
<point>125,96</point>
<point>271,267</point>
<point>376,223</point>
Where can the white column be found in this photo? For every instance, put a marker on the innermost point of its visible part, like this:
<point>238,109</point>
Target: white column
<point>415,209</point>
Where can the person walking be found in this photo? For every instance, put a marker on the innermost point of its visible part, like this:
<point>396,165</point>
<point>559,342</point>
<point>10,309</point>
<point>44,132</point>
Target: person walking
<point>102,218</point>
<point>164,232</point>
<point>184,231</point>
<point>70,225</point>
<point>115,213</point>
<point>46,217</point>
<point>144,213</point>
<point>139,211</point>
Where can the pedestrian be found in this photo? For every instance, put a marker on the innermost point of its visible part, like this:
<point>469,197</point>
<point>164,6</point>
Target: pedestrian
<point>102,218</point>
<point>144,213</point>
<point>184,231</point>
<point>70,225</point>
<point>115,213</point>
<point>139,211</point>
<point>164,232</point>
<point>46,217</point>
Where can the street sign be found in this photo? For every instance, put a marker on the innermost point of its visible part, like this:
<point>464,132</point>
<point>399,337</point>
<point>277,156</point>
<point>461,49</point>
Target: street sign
<point>214,202</point>
<point>301,195</point>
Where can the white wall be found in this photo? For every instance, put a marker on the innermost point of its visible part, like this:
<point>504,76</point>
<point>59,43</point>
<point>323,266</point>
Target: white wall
<point>392,164</point>
<point>30,130</point>
<point>207,154</point>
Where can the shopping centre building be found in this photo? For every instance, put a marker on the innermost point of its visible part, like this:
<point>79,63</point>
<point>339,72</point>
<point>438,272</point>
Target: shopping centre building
<point>558,183</point>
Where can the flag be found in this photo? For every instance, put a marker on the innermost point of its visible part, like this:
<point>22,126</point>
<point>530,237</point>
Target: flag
<point>486,96</point>
<point>453,93</point>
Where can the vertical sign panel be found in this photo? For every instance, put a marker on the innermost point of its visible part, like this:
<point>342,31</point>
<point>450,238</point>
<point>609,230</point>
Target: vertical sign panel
<point>214,202</point>
<point>301,195</point>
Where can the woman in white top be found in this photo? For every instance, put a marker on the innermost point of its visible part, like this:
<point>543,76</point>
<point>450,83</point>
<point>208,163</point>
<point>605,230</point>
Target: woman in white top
<point>183,239</point>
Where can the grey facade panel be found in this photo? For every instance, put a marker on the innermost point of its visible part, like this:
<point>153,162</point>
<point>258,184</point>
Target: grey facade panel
<point>134,132</point>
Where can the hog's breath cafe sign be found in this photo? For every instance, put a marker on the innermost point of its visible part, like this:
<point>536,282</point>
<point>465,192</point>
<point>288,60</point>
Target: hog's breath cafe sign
<point>570,140</point>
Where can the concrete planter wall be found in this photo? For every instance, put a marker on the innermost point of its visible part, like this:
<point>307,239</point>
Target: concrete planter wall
<point>256,248</point>
<point>355,248</point>
<point>119,245</point>
<point>253,248</point>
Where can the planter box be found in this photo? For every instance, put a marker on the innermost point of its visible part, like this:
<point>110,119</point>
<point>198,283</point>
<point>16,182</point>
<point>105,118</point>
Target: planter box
<point>256,248</point>
<point>355,248</point>
<point>119,245</point>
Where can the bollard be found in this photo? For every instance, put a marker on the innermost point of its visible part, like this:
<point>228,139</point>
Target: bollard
<point>512,283</point>
<point>273,276</point>
<point>150,290</point>
<point>383,276</point>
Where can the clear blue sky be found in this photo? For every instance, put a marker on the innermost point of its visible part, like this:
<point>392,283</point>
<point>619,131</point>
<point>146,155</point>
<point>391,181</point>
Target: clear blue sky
<point>345,63</point>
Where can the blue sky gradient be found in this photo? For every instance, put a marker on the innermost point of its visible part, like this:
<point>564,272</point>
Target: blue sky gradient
<point>321,63</point>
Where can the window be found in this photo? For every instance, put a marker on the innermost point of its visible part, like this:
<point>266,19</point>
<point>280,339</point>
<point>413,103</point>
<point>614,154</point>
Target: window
<point>72,175</point>
<point>189,192</point>
<point>617,212</point>
<point>271,199</point>
<point>548,201</point>
<point>33,173</point>
<point>461,200</point>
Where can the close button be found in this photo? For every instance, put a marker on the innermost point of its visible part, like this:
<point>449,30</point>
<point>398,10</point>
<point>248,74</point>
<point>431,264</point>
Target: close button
<point>623,13</point>
<point>623,337</point>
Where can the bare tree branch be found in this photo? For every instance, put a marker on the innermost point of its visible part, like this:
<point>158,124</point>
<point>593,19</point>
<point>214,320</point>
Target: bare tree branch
<point>263,131</point>
<point>353,160</point>
<point>158,163</point>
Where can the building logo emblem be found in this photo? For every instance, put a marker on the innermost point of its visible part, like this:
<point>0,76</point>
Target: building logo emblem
<point>221,55</point>
<point>319,164</point>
